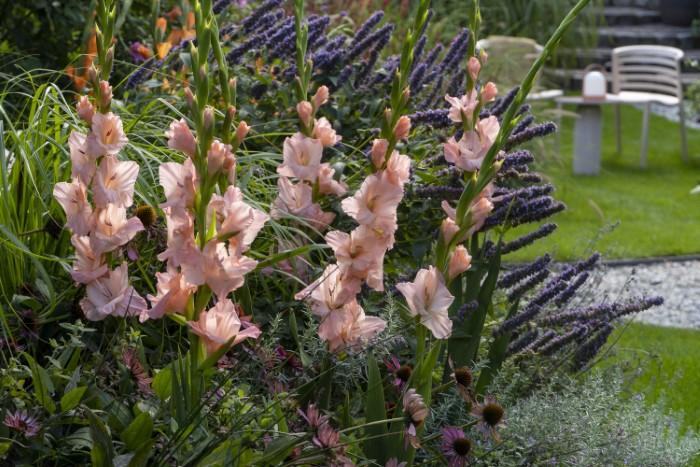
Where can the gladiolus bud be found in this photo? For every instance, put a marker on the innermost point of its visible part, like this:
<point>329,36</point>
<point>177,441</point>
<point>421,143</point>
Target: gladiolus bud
<point>483,56</point>
<point>162,24</point>
<point>379,148</point>
<point>105,94</point>
<point>109,58</point>
<point>402,128</point>
<point>92,75</point>
<point>305,111</point>
<point>189,97</point>
<point>474,68</point>
<point>405,96</point>
<point>488,93</point>
<point>321,97</point>
<point>241,132</point>
<point>459,262</point>
<point>231,111</point>
<point>208,117</point>
<point>85,110</point>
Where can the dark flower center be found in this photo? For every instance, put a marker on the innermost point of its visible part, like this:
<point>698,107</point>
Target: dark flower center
<point>464,377</point>
<point>493,413</point>
<point>404,373</point>
<point>462,446</point>
<point>146,214</point>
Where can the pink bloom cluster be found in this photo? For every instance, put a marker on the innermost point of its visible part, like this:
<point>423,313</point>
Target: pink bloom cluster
<point>360,253</point>
<point>100,227</point>
<point>427,296</point>
<point>221,263</point>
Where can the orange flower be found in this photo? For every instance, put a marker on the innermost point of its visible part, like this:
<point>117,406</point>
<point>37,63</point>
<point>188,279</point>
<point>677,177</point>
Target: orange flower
<point>163,48</point>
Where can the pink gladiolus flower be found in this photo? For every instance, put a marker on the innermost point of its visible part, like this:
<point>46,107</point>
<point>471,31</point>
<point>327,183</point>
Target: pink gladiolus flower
<point>464,105</point>
<point>180,224</point>
<point>217,155</point>
<point>327,296</point>
<point>402,128</point>
<point>173,292</point>
<point>324,132</point>
<point>82,165</point>
<point>379,149</point>
<point>468,153</point>
<point>73,199</point>
<point>107,135</point>
<point>180,137</point>
<point>296,199</point>
<point>112,295</point>
<point>449,230</point>
<point>488,93</point>
<point>105,94</point>
<point>360,254</point>
<point>88,266</point>
<point>459,262</point>
<point>221,323</point>
<point>216,267</point>
<point>326,182</point>
<point>428,298</point>
<point>398,169</point>
<point>112,229</point>
<point>302,158</point>
<point>321,97</point>
<point>474,67</point>
<point>356,329</point>
<point>85,110</point>
<point>114,182</point>
<point>374,204</point>
<point>180,182</point>
<point>480,209</point>
<point>235,217</point>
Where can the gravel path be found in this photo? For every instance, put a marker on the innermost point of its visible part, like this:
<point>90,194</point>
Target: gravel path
<point>677,281</point>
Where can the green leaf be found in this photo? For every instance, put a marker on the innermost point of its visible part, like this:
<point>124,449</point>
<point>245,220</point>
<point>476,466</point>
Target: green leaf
<point>305,359</point>
<point>496,356</point>
<point>278,450</point>
<point>374,445</point>
<point>71,399</point>
<point>42,384</point>
<point>142,454</point>
<point>162,383</point>
<point>102,453</point>
<point>139,430</point>
<point>222,455</point>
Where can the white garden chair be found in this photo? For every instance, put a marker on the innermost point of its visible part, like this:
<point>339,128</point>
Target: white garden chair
<point>646,74</point>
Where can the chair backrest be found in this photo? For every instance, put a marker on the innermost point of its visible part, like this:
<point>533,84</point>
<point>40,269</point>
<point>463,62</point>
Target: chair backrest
<point>647,68</point>
<point>510,58</point>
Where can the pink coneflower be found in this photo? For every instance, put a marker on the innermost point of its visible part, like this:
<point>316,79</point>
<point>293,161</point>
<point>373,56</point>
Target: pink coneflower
<point>456,446</point>
<point>402,372</point>
<point>131,360</point>
<point>22,422</point>
<point>416,412</point>
<point>491,415</point>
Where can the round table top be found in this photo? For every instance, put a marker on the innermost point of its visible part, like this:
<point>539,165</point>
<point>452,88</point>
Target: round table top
<point>609,99</point>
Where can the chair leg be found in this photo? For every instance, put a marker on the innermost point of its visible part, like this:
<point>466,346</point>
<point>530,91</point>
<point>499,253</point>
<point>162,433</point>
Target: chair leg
<point>684,140</point>
<point>645,134</point>
<point>559,121</point>
<point>617,129</point>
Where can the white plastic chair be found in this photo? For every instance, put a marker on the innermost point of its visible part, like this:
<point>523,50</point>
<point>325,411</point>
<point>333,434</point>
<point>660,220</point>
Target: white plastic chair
<point>642,74</point>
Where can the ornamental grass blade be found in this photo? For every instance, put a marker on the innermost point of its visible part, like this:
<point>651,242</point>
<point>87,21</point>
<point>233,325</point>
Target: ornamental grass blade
<point>102,452</point>
<point>374,446</point>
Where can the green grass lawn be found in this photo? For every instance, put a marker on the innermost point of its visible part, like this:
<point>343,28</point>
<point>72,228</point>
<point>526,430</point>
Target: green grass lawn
<point>657,215</point>
<point>673,370</point>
